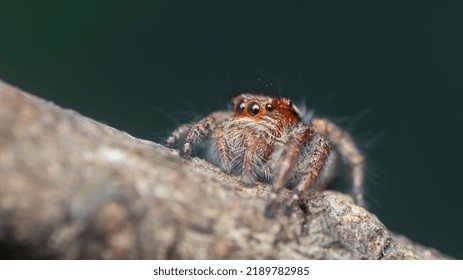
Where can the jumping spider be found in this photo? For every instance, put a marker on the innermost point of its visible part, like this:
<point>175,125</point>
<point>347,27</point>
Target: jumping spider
<point>268,139</point>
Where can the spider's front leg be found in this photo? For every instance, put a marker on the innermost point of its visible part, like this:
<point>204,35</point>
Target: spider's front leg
<point>179,133</point>
<point>317,161</point>
<point>286,163</point>
<point>198,131</point>
<point>351,156</point>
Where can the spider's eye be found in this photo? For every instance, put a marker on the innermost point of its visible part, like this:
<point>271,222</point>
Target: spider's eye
<point>253,109</point>
<point>268,107</point>
<point>239,108</point>
<point>290,103</point>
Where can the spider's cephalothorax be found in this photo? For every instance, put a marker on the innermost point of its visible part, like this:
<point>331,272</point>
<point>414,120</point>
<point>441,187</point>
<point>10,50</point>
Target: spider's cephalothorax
<point>268,139</point>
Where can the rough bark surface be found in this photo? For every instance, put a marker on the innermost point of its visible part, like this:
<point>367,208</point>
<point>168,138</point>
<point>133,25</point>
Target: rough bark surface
<point>73,188</point>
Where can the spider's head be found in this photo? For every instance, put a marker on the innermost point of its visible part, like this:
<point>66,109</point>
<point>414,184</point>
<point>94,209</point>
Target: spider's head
<point>250,105</point>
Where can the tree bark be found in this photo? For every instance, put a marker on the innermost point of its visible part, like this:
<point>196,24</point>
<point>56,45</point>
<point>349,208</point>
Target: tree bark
<point>73,188</point>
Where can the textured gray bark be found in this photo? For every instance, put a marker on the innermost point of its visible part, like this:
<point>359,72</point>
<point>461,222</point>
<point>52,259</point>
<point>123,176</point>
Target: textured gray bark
<point>73,188</point>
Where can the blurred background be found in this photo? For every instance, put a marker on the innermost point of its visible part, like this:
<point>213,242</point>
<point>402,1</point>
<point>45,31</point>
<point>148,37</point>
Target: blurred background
<point>389,72</point>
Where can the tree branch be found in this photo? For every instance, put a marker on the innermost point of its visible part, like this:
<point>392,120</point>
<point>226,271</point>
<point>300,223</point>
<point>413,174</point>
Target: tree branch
<point>73,188</point>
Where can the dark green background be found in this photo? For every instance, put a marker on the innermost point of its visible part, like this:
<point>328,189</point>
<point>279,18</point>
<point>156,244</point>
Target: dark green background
<point>388,71</point>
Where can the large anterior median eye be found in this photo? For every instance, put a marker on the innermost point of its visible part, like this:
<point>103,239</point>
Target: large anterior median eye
<point>253,109</point>
<point>239,108</point>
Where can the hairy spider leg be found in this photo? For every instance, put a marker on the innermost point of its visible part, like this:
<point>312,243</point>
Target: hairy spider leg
<point>202,129</point>
<point>222,148</point>
<point>317,161</point>
<point>286,162</point>
<point>351,156</point>
<point>180,133</point>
